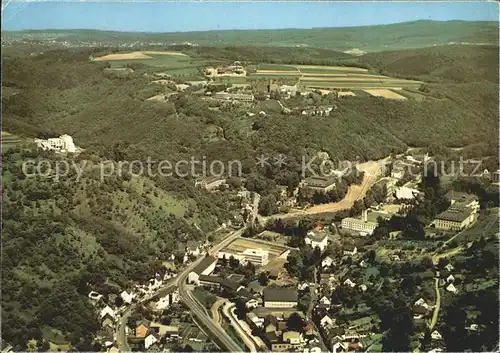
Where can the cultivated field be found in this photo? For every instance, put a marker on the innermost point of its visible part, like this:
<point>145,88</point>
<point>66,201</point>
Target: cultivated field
<point>174,63</point>
<point>334,77</point>
<point>385,93</point>
<point>11,141</point>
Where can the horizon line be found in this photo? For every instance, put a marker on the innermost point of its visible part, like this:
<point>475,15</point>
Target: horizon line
<point>242,29</point>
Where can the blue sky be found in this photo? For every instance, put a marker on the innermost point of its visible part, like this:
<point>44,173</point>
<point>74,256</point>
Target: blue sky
<point>200,16</point>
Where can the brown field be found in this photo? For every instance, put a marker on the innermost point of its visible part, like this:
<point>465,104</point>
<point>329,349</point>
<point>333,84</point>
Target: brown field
<point>385,93</point>
<point>135,55</point>
<point>123,56</point>
<point>346,93</point>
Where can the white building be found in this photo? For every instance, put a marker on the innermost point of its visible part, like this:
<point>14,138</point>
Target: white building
<point>436,335</point>
<point>451,288</point>
<point>257,257</point>
<point>327,262</point>
<point>319,240</point>
<point>326,321</point>
<point>63,143</point>
<point>205,267</point>
<point>127,297</point>
<point>450,279</point>
<point>350,250</point>
<point>95,296</point>
<point>349,283</point>
<point>167,300</point>
<point>107,311</point>
<point>325,301</point>
<point>406,193</point>
<point>150,340</point>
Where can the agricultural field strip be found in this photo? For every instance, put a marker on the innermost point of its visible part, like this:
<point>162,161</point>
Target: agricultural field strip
<point>385,93</point>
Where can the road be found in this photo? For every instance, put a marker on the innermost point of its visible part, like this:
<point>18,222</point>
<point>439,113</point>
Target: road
<point>188,299</point>
<point>247,340</point>
<point>435,314</point>
<point>373,170</point>
<point>198,310</point>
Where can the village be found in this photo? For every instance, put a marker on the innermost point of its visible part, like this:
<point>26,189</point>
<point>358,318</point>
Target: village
<point>303,288</point>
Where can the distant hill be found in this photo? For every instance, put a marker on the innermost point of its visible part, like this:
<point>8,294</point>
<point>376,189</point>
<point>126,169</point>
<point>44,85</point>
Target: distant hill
<point>457,63</point>
<point>407,35</point>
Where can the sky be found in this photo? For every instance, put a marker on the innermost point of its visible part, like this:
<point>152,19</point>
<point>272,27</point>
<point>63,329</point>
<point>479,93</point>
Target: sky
<point>202,16</point>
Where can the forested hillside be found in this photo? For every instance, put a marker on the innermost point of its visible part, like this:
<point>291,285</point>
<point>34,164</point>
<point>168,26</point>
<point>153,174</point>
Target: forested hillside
<point>63,238</point>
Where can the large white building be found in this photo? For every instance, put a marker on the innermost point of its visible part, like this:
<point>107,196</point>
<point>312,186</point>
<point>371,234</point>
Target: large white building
<point>256,256</point>
<point>364,225</point>
<point>205,267</point>
<point>63,143</point>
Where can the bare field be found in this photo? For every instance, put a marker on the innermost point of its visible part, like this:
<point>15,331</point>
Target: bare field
<point>274,72</point>
<point>136,55</point>
<point>385,93</point>
<point>346,93</point>
<point>123,56</point>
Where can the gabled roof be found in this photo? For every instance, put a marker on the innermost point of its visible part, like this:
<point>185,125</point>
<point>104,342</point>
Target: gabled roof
<point>280,294</point>
<point>317,237</point>
<point>204,264</point>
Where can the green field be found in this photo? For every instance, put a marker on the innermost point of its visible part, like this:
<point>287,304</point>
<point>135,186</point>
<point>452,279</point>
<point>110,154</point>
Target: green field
<point>276,67</point>
<point>174,65</point>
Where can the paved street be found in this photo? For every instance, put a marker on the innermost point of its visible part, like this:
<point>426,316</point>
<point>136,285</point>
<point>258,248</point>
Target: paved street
<point>197,309</point>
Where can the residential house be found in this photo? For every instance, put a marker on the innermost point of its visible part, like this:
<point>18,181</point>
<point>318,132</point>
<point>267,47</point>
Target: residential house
<point>449,267</point>
<point>107,311</point>
<point>325,301</point>
<point>451,288</point>
<point>363,287</point>
<point>142,328</point>
<point>327,262</point>
<point>107,321</point>
<point>450,279</point>
<point>150,340</point>
<point>280,297</point>
<point>319,240</point>
<point>192,248</point>
<point>435,335</point>
<point>205,267</point>
<point>349,283</point>
<point>127,297</point>
<point>225,96</point>
<point>302,286</point>
<point>326,321</point>
<point>349,249</point>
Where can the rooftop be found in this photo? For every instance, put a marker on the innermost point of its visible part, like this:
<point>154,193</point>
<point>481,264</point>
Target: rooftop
<point>454,214</point>
<point>207,261</point>
<point>317,237</point>
<point>461,197</point>
<point>280,294</point>
<point>321,182</point>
